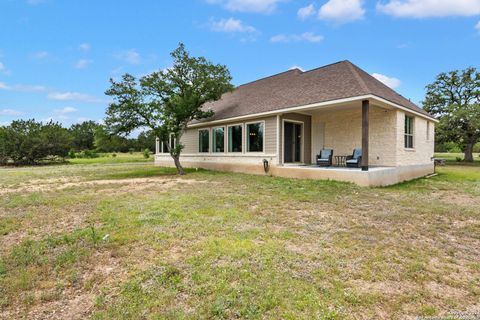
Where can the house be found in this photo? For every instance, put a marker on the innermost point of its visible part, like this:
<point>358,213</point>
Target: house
<point>279,124</point>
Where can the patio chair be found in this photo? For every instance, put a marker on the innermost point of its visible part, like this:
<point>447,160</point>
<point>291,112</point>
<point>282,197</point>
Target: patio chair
<point>355,160</point>
<point>324,159</point>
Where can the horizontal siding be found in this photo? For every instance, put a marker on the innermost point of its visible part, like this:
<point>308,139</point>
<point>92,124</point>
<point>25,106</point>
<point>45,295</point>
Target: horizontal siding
<point>190,137</point>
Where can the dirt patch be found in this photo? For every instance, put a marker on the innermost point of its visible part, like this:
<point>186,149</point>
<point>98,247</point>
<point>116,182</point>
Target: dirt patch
<point>456,198</point>
<point>134,184</point>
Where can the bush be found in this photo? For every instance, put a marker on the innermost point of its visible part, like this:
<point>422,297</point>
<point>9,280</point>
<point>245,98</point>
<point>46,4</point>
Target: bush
<point>71,154</point>
<point>146,153</point>
<point>476,147</point>
<point>114,155</point>
<point>29,142</point>
<point>458,159</point>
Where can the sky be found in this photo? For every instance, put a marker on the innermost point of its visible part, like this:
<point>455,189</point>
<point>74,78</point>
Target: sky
<point>57,56</point>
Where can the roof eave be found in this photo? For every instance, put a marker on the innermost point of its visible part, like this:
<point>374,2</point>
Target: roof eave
<point>312,106</point>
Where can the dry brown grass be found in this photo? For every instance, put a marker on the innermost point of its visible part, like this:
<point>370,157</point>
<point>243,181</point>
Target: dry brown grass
<point>135,242</point>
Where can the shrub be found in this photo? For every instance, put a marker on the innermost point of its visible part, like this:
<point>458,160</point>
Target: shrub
<point>71,154</point>
<point>29,142</point>
<point>114,155</point>
<point>458,159</point>
<point>146,153</point>
<point>131,150</point>
<point>476,147</point>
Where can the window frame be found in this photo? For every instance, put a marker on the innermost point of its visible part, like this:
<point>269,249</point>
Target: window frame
<point>169,142</point>
<point>246,137</point>
<point>412,134</point>
<point>242,138</point>
<point>213,137</point>
<point>428,130</point>
<point>198,140</point>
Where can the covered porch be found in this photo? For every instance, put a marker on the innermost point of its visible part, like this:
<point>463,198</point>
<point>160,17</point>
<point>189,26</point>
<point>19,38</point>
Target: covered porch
<point>341,128</point>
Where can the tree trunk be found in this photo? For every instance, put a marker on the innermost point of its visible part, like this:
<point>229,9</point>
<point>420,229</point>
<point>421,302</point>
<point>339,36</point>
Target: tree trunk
<point>180,170</point>
<point>469,152</point>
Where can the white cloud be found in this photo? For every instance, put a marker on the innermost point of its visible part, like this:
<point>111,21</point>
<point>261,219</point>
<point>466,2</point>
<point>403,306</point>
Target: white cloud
<point>477,26</point>
<point>256,6</point>
<point>10,112</point>
<point>342,11</point>
<point>23,87</point>
<point>296,67</point>
<point>65,110</point>
<point>130,56</point>
<point>389,81</point>
<point>429,8</point>
<point>306,12</point>
<point>4,69</point>
<point>83,63</point>
<point>72,96</point>
<point>306,36</point>
<point>40,55</point>
<point>230,25</point>
<point>85,46</point>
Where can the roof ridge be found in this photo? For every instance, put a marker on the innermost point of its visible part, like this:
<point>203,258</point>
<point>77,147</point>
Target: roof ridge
<point>271,76</point>
<point>361,82</point>
<point>325,66</point>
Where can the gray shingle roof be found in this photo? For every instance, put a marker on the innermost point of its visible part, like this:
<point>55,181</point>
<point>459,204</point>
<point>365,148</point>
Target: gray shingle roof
<point>296,88</point>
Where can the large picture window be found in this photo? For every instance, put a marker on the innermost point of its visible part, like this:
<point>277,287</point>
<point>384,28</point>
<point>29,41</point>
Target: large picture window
<point>218,135</point>
<point>235,138</point>
<point>203,140</point>
<point>255,137</point>
<point>408,132</point>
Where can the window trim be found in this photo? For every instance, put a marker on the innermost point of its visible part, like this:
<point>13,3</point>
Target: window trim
<point>243,137</point>
<point>263,138</point>
<point>169,142</point>
<point>428,130</point>
<point>209,142</point>
<point>405,134</point>
<point>224,140</point>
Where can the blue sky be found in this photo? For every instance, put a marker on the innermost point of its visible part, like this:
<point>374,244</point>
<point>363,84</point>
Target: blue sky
<point>56,56</point>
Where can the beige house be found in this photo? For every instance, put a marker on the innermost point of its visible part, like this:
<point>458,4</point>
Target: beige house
<point>278,126</point>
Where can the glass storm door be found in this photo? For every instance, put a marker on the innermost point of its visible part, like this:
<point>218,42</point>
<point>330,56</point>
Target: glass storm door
<point>292,138</point>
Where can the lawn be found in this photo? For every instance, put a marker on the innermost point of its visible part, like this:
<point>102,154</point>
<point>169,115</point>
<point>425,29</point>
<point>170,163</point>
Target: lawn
<point>133,241</point>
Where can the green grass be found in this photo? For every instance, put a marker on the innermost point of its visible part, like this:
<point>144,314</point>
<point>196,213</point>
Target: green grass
<point>452,158</point>
<point>130,241</point>
<point>105,158</point>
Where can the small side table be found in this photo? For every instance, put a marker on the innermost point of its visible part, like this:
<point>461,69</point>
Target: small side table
<point>340,161</point>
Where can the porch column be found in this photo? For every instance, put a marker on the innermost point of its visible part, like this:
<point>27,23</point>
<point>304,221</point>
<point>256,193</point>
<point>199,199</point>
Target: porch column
<point>365,124</point>
<point>157,146</point>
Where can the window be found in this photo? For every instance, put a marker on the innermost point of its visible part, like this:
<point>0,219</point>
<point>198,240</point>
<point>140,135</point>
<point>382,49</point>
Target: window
<point>408,132</point>
<point>164,147</point>
<point>235,138</point>
<point>428,130</point>
<point>203,140</point>
<point>255,137</point>
<point>218,136</point>
<point>173,143</point>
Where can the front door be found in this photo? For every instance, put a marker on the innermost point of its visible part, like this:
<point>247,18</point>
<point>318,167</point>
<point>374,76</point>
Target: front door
<point>292,137</point>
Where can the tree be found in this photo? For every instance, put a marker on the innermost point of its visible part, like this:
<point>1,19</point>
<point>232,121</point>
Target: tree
<point>28,141</point>
<point>454,98</point>
<point>110,142</point>
<point>168,100</point>
<point>146,140</point>
<point>84,135</point>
